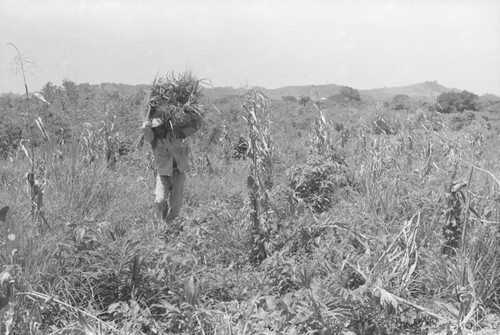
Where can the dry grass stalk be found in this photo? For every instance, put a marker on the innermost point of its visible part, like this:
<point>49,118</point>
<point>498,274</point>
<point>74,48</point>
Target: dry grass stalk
<point>23,65</point>
<point>467,276</point>
<point>19,65</point>
<point>36,193</point>
<point>260,179</point>
<point>453,227</point>
<point>8,275</point>
<point>82,315</point>
<point>321,139</point>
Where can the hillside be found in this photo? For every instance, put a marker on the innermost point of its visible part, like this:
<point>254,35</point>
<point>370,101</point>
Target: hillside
<point>361,219</point>
<point>427,88</point>
<point>489,98</point>
<point>308,90</point>
<point>277,93</point>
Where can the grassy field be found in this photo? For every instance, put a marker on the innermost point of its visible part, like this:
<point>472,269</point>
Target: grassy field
<point>366,228</point>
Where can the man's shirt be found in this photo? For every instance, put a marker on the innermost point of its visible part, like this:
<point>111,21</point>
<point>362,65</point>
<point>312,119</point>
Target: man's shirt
<point>168,148</point>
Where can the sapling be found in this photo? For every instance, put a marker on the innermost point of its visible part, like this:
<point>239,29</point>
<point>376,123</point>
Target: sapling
<point>22,64</point>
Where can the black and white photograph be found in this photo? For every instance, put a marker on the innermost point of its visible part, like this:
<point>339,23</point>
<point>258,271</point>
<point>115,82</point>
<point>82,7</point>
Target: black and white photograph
<point>249,167</point>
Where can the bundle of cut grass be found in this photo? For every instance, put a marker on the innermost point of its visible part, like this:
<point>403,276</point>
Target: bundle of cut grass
<point>178,98</point>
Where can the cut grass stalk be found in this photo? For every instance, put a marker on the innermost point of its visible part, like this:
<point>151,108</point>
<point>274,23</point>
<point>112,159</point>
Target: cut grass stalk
<point>178,97</point>
<point>464,256</point>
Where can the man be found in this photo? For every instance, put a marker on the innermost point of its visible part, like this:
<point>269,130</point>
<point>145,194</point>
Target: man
<point>171,162</point>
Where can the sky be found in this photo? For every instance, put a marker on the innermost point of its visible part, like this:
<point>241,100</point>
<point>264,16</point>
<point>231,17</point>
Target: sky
<point>270,43</point>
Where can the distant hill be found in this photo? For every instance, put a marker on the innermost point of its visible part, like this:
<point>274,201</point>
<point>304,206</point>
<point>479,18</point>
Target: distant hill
<point>322,91</point>
<point>125,88</point>
<point>489,98</point>
<point>215,93</point>
<point>425,89</point>
<point>428,88</point>
<point>277,93</point>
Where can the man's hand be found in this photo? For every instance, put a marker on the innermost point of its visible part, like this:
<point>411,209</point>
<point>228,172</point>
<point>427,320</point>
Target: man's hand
<point>156,122</point>
<point>153,123</point>
<point>149,135</point>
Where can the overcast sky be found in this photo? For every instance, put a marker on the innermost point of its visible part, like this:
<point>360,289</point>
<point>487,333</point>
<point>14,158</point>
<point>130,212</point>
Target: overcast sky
<point>270,43</point>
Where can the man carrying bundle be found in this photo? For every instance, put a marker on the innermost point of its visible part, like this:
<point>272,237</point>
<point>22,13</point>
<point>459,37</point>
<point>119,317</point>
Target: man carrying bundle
<point>173,113</point>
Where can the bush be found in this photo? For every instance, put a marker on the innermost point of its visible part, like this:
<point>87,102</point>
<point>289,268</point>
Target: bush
<point>346,95</point>
<point>452,102</point>
<point>319,180</point>
<point>461,121</point>
<point>350,94</point>
<point>494,108</point>
<point>289,98</point>
<point>10,135</point>
<point>401,101</point>
<point>304,100</point>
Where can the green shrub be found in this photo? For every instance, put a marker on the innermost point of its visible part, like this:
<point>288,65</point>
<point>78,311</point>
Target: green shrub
<point>289,98</point>
<point>350,93</point>
<point>304,100</point>
<point>10,135</point>
<point>461,121</point>
<point>320,180</point>
<point>452,102</point>
<point>401,101</point>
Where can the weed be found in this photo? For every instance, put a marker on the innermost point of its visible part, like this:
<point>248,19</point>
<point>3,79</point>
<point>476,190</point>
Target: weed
<point>343,217</point>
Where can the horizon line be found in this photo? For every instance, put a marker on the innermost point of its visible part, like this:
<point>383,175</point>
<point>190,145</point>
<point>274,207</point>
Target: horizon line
<point>21,91</point>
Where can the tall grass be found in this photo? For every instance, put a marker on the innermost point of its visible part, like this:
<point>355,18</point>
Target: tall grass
<point>370,262</point>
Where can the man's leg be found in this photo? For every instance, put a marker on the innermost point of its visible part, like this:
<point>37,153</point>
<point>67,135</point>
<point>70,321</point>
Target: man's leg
<point>177,192</point>
<point>161,194</point>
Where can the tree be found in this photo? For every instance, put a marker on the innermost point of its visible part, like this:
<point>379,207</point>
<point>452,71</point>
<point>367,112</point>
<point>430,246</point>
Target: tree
<point>10,136</point>
<point>290,98</point>
<point>350,94</point>
<point>304,100</point>
<point>71,96</point>
<point>401,101</point>
<point>50,92</point>
<point>452,102</point>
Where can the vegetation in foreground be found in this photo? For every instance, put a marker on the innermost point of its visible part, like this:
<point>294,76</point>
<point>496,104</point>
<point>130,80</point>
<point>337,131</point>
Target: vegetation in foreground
<point>342,217</point>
